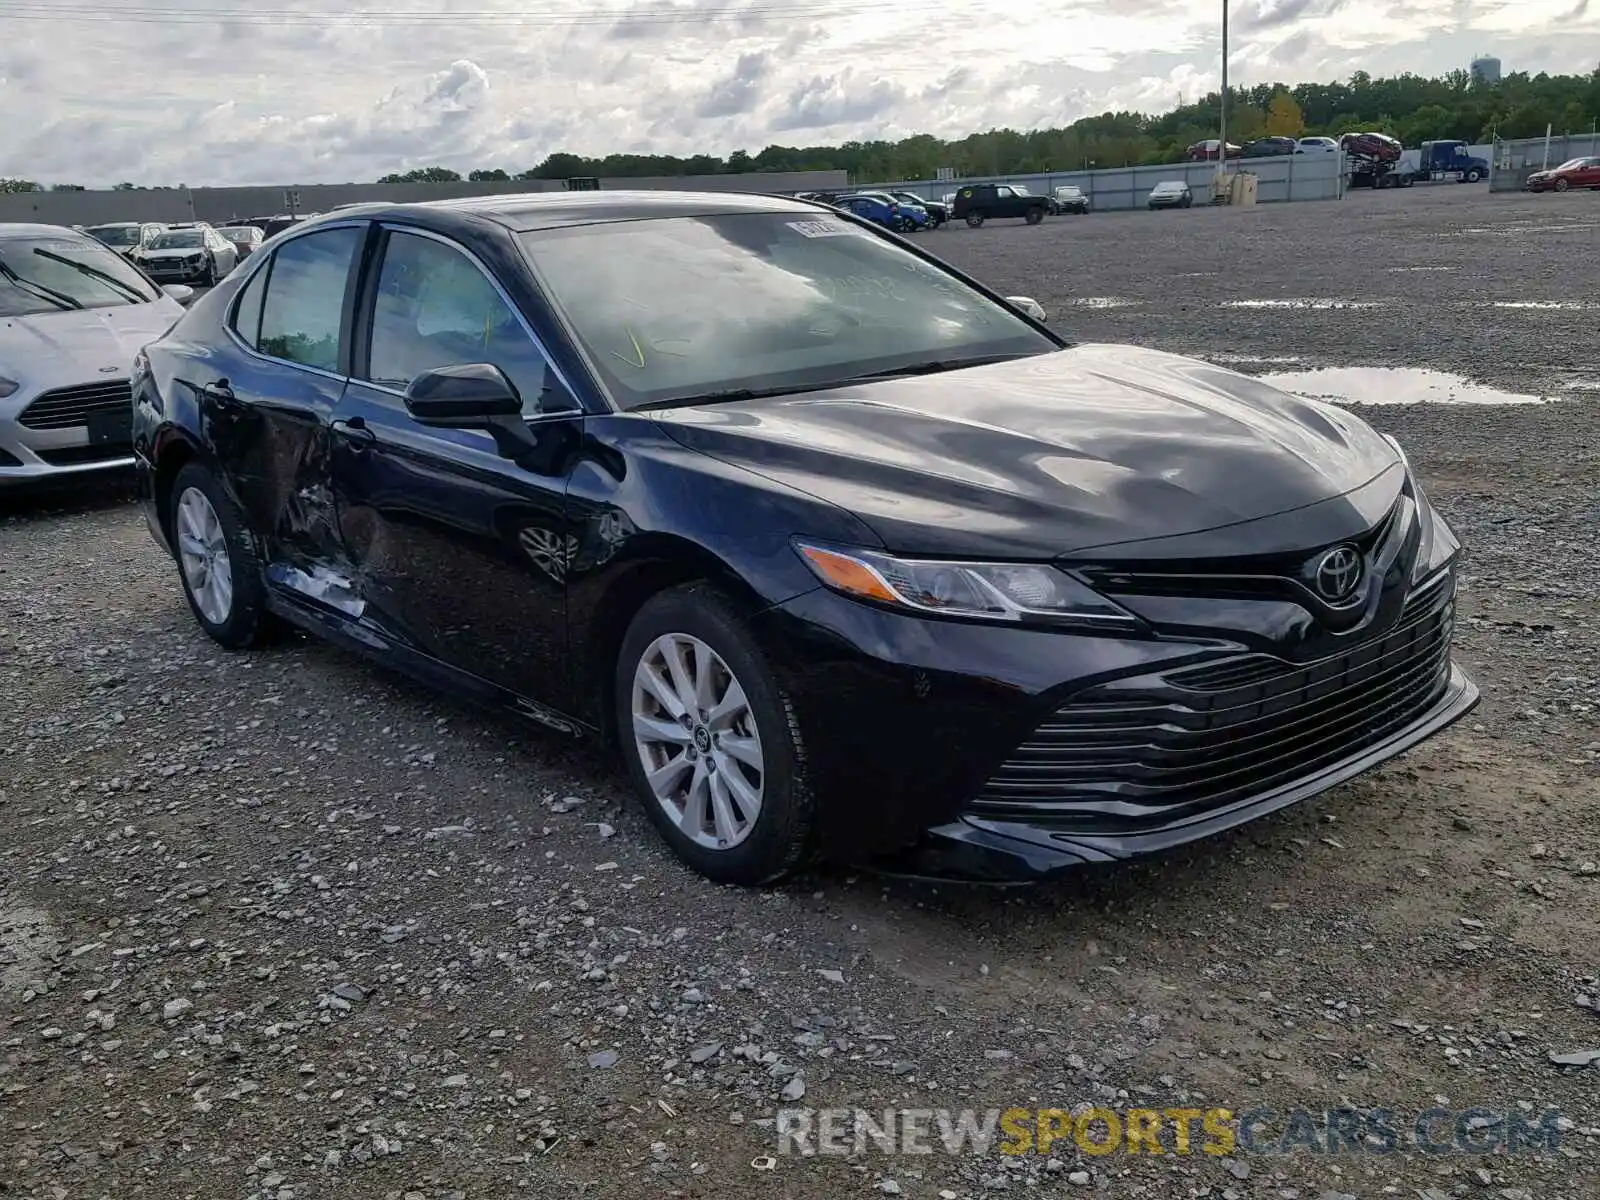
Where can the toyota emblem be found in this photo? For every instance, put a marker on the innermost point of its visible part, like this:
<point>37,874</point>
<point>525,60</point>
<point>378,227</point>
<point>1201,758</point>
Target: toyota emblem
<point>1337,573</point>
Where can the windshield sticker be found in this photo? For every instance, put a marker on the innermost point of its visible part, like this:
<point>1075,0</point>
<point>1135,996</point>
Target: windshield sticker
<point>823,228</point>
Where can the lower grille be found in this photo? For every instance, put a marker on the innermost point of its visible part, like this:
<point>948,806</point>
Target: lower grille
<point>75,456</point>
<point>1151,749</point>
<point>67,407</point>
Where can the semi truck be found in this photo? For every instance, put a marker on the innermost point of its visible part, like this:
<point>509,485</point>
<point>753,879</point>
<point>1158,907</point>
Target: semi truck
<point>1379,161</point>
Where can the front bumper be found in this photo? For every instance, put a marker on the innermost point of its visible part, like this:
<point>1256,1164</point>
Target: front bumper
<point>982,850</point>
<point>1000,753</point>
<point>166,271</point>
<point>62,449</point>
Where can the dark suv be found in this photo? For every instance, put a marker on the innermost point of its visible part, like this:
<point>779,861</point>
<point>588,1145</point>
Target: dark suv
<point>977,202</point>
<point>1270,147</point>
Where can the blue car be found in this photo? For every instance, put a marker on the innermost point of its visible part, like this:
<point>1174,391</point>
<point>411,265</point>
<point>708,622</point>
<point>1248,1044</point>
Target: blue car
<point>883,209</point>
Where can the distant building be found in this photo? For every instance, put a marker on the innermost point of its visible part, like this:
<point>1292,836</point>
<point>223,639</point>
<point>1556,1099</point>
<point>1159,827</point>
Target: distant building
<point>1485,70</point>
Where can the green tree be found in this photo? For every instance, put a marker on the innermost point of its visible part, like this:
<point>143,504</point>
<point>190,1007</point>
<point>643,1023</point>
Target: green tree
<point>493,176</point>
<point>1284,118</point>
<point>19,185</point>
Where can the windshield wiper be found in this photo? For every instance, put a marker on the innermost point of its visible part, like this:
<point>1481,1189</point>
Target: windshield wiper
<point>727,396</point>
<point>61,299</point>
<point>934,367</point>
<point>110,281</point>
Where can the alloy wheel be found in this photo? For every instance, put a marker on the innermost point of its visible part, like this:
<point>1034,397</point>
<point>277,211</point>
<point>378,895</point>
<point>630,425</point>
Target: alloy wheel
<point>203,556</point>
<point>697,739</point>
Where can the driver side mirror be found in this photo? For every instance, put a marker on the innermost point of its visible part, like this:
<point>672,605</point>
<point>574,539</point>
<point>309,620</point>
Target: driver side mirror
<point>1027,305</point>
<point>463,396</point>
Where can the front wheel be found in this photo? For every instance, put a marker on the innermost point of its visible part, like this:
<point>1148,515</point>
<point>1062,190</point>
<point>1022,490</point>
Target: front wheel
<point>1034,216</point>
<point>217,560</point>
<point>710,741</point>
<point>1562,185</point>
<point>1471,177</point>
<point>209,279</point>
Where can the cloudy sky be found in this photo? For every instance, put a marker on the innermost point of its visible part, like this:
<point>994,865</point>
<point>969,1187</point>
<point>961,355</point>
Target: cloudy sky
<point>314,91</point>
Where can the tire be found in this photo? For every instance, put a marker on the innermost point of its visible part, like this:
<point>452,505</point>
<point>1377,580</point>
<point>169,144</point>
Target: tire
<point>698,621</point>
<point>974,220</point>
<point>209,279</point>
<point>1033,216</point>
<point>243,621</point>
<point>1562,185</point>
<point>1471,176</point>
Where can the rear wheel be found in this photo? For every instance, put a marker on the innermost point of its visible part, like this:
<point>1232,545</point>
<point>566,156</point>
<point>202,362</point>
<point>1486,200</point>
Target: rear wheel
<point>710,741</point>
<point>217,560</point>
<point>974,219</point>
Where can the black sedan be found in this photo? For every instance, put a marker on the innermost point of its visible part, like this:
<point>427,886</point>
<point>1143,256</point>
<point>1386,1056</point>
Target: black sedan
<point>844,552</point>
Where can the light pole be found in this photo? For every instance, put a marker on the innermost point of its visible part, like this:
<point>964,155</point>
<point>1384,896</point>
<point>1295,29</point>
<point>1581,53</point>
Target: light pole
<point>1222,131</point>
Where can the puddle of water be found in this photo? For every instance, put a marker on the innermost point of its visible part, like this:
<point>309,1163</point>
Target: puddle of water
<point>1391,385</point>
<point>28,942</point>
<point>1524,230</point>
<point>1306,303</point>
<point>1263,360</point>
<point>1104,302</point>
<point>1569,305</point>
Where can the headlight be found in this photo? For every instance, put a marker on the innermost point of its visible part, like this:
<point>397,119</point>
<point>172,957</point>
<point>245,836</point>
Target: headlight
<point>987,591</point>
<point>8,387</point>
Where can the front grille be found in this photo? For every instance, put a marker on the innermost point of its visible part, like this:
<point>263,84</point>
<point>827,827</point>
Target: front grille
<point>1149,749</point>
<point>75,456</point>
<point>66,407</point>
<point>1262,577</point>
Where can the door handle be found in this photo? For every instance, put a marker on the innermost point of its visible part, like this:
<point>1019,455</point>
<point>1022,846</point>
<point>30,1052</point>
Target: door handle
<point>220,393</point>
<point>355,430</point>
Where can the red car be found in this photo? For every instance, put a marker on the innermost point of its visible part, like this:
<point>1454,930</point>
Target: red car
<point>1574,173</point>
<point>1207,150</point>
<point>1371,145</point>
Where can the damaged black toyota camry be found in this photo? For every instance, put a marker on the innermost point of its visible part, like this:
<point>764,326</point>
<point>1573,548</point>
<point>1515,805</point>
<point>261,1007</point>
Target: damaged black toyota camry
<point>843,552</point>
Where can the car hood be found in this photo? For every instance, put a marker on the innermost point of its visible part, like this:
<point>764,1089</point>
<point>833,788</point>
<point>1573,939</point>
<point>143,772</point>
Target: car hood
<point>173,252</point>
<point>60,349</point>
<point>1092,446</point>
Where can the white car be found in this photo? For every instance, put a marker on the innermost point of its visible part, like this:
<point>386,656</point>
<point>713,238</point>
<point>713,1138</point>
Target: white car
<point>73,314</point>
<point>1316,145</point>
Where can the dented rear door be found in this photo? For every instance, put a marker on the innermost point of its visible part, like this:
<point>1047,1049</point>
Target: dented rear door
<point>269,411</point>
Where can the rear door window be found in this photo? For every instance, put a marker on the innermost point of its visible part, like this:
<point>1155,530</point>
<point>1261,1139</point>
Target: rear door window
<point>303,308</point>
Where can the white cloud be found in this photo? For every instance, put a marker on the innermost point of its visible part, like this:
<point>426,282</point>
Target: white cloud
<point>218,93</point>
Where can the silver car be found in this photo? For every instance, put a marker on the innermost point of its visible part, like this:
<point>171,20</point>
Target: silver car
<point>192,253</point>
<point>73,314</point>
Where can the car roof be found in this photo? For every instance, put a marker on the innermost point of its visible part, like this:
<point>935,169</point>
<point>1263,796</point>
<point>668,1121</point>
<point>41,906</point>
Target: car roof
<point>551,210</point>
<point>24,229</point>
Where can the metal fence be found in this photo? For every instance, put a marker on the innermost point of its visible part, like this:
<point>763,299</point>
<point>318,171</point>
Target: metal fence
<point>222,204</point>
<point>1516,159</point>
<point>1292,177</point>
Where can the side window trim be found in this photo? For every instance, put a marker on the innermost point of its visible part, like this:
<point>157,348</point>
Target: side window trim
<point>361,353</point>
<point>351,278</point>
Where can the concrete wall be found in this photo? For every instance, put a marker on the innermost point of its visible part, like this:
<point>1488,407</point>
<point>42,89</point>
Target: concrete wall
<point>222,204</point>
<point>1290,177</point>
<point>1514,161</point>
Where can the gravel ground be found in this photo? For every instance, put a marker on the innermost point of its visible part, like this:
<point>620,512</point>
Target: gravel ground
<point>283,925</point>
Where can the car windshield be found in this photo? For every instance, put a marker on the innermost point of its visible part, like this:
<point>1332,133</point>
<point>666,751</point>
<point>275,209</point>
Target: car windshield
<point>181,239</point>
<point>1572,164</point>
<point>1069,191</point>
<point>1169,187</point>
<point>115,235</point>
<point>1021,189</point>
<point>40,275</point>
<point>679,308</point>
<point>238,235</point>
